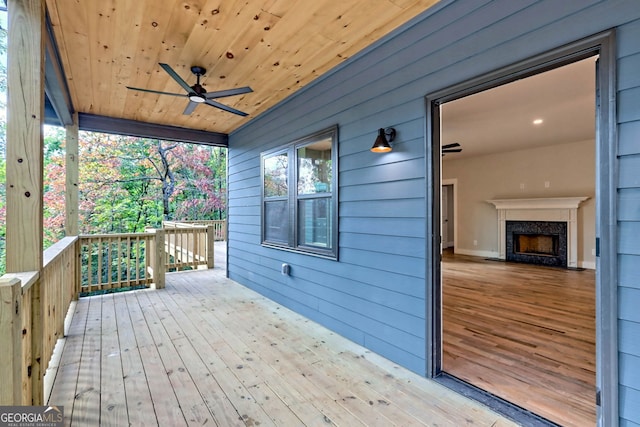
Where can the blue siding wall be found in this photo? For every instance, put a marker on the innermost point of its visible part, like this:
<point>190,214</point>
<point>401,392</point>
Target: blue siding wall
<point>375,294</point>
<point>629,221</point>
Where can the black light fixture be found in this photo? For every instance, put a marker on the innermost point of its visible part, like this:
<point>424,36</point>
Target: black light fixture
<point>382,144</point>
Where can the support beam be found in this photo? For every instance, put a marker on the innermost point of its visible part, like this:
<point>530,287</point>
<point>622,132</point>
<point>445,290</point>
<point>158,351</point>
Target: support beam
<point>25,103</point>
<point>127,127</point>
<point>71,181</point>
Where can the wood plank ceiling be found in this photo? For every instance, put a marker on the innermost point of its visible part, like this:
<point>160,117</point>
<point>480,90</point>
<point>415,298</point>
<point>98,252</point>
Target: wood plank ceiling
<point>274,46</point>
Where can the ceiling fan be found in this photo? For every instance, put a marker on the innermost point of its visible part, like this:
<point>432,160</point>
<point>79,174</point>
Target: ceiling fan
<point>451,148</point>
<point>197,94</point>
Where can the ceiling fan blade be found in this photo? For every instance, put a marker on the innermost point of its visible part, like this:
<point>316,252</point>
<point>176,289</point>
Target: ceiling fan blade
<point>156,91</point>
<point>455,144</point>
<point>190,107</point>
<point>453,150</point>
<point>176,77</point>
<point>225,108</point>
<point>228,92</point>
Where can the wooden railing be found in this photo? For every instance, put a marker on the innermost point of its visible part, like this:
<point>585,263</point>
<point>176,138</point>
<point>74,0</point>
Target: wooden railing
<point>115,261</point>
<point>219,226</point>
<point>33,307</point>
<point>188,246</point>
<point>132,260</point>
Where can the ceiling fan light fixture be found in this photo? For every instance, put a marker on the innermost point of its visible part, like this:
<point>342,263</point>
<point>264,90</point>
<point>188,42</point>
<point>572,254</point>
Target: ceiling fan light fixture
<point>194,97</point>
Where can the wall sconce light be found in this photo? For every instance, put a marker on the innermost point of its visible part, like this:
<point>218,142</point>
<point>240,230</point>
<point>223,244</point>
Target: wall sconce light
<point>382,144</point>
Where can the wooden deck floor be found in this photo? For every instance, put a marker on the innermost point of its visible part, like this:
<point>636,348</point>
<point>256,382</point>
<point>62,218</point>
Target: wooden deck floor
<point>207,351</point>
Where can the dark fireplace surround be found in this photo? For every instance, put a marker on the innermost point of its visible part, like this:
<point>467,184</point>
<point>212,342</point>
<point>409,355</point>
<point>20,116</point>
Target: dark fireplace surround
<point>537,242</point>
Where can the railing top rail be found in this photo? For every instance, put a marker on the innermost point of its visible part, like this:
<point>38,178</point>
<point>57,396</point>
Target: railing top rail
<point>115,235</point>
<point>191,223</point>
<point>26,278</point>
<point>186,229</point>
<point>57,249</point>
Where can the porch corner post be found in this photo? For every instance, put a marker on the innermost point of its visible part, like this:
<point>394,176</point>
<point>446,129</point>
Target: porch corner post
<point>210,245</point>
<point>24,183</point>
<point>159,259</point>
<point>71,182</point>
<point>11,360</point>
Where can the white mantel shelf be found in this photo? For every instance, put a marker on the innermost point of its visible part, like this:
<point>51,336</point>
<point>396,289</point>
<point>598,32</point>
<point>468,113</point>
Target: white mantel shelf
<point>541,209</point>
<point>539,203</point>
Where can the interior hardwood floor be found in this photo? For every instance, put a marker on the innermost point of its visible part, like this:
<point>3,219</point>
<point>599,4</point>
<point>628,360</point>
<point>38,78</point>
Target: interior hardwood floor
<point>207,351</point>
<point>524,333</point>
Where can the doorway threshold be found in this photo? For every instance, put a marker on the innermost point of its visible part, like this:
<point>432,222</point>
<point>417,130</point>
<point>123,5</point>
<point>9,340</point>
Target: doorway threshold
<point>516,413</point>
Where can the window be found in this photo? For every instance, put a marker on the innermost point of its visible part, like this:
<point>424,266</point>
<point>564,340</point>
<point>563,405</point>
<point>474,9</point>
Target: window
<point>299,195</point>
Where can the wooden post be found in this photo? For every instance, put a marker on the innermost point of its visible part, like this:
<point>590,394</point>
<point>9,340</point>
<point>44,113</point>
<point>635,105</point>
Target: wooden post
<point>71,183</point>
<point>211,231</point>
<point>25,103</point>
<point>11,359</point>
<point>159,259</point>
<point>38,365</point>
<point>77,269</point>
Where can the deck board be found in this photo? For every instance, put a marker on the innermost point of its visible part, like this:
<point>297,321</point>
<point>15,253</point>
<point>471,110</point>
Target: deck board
<point>113,406</point>
<point>86,405</point>
<point>136,388</point>
<point>206,350</point>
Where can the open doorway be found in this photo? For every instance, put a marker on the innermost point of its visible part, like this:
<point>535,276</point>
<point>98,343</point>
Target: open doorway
<point>448,214</point>
<point>520,336</point>
<point>523,331</point>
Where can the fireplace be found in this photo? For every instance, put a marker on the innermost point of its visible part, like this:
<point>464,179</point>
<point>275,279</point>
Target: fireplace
<point>544,212</point>
<point>537,242</point>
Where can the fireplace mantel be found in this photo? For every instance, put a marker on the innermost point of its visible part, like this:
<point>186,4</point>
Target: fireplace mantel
<point>539,203</point>
<point>562,209</point>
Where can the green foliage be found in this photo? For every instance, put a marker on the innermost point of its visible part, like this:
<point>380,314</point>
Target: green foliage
<point>127,184</point>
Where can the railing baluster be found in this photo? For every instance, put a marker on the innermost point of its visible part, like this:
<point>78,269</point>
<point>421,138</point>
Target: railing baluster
<point>137,251</point>
<point>100,263</point>
<point>109,254</point>
<point>129,249</point>
<point>119,259</point>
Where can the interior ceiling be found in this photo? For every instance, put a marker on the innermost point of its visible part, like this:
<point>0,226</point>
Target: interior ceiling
<point>501,119</point>
<point>274,46</point>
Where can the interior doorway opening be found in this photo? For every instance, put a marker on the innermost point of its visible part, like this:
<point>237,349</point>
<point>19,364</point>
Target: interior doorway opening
<point>499,289</point>
<point>448,214</point>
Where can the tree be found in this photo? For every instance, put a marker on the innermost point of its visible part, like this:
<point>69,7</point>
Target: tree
<point>165,175</point>
<point>127,183</point>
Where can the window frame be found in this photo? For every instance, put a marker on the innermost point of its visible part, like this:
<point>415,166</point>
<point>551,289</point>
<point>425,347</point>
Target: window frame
<point>293,198</point>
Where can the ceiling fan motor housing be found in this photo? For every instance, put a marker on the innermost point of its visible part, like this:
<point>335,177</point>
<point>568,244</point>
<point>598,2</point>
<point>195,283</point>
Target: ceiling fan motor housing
<point>198,71</point>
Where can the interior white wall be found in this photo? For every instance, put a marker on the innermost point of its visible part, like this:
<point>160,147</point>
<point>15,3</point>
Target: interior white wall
<point>568,168</point>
